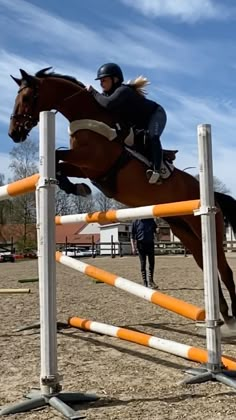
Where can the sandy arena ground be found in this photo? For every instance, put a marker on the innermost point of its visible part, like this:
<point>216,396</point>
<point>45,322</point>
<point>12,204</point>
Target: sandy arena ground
<point>134,382</point>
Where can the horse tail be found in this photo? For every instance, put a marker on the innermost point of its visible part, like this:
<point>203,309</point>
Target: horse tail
<point>228,208</point>
<point>139,84</point>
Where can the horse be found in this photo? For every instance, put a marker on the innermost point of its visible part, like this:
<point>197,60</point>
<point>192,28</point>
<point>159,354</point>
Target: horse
<point>95,154</point>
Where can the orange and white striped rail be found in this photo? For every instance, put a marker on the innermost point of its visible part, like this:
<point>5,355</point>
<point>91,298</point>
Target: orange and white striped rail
<point>170,303</point>
<point>182,350</point>
<point>179,208</point>
<point>22,186</point>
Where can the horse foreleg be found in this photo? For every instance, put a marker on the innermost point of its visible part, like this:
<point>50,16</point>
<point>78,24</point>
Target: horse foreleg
<point>65,170</point>
<point>192,242</point>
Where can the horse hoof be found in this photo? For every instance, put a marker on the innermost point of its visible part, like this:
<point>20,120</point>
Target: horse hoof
<point>83,190</point>
<point>229,328</point>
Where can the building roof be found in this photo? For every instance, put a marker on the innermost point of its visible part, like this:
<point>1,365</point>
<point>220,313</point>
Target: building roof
<point>73,233</point>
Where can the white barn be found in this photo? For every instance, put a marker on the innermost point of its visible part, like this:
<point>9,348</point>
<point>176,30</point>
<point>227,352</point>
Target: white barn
<point>112,237</point>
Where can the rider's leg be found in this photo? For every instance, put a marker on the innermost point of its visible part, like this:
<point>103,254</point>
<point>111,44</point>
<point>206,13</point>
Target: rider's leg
<point>156,126</point>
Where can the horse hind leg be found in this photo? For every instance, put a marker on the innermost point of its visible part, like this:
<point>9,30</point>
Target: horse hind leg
<point>226,276</point>
<point>225,271</point>
<point>194,244</point>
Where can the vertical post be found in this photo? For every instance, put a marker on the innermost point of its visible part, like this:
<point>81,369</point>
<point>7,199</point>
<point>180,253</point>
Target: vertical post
<point>112,247</point>
<point>46,254</point>
<point>93,247</point>
<point>45,202</point>
<point>66,245</point>
<point>207,212</point>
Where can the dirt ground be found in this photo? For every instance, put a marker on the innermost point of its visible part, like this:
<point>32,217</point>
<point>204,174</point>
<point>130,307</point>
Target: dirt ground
<point>134,382</point>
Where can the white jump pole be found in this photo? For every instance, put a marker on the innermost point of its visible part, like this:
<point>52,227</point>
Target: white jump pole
<point>214,369</point>
<point>50,387</point>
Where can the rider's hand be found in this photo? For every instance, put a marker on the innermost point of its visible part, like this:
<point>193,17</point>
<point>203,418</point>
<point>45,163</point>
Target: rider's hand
<point>134,251</point>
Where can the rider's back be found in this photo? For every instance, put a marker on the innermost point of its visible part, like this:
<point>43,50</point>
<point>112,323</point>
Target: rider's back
<point>131,107</point>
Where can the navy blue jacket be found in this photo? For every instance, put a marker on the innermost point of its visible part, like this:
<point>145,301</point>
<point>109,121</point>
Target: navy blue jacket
<point>143,230</point>
<point>132,108</point>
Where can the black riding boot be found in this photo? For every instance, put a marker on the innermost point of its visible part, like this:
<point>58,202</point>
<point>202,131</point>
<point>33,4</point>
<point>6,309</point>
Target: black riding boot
<point>144,278</point>
<point>155,128</point>
<point>151,283</point>
<point>153,174</point>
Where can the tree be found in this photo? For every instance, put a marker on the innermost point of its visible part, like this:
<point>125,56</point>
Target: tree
<point>23,159</point>
<point>62,202</point>
<point>82,204</point>
<point>23,164</point>
<point>103,203</point>
<point>5,207</point>
<point>218,185</point>
<point>2,203</point>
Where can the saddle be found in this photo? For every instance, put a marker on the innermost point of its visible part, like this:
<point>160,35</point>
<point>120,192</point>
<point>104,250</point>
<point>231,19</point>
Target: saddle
<point>138,141</point>
<point>169,155</point>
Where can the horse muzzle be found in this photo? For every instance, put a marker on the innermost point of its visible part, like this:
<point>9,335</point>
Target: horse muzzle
<point>18,135</point>
<point>19,130</point>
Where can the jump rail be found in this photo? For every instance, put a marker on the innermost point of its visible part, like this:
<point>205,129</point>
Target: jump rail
<point>178,208</point>
<point>168,302</point>
<point>23,186</point>
<point>168,346</point>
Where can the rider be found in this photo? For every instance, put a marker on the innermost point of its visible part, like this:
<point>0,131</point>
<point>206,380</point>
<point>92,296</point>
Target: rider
<point>134,109</point>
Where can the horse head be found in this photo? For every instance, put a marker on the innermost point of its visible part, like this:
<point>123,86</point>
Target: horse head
<point>42,92</point>
<point>26,112</point>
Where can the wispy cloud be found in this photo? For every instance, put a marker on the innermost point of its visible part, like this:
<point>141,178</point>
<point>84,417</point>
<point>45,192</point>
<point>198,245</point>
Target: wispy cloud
<point>186,111</point>
<point>129,44</point>
<point>184,10</point>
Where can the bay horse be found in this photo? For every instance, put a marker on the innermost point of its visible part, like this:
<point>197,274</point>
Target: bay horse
<point>106,163</point>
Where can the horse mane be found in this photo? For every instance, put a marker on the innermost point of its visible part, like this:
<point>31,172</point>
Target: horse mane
<point>45,74</point>
<point>139,84</point>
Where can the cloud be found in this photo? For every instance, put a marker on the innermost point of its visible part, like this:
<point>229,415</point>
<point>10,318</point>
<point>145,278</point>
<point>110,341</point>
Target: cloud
<point>183,10</point>
<point>129,44</point>
<point>186,111</point>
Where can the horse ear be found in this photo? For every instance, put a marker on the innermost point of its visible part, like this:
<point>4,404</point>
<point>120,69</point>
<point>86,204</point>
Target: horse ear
<point>27,77</point>
<point>24,74</point>
<point>18,81</point>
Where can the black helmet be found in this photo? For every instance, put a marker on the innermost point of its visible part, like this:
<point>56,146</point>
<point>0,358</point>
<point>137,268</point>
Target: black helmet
<point>110,70</point>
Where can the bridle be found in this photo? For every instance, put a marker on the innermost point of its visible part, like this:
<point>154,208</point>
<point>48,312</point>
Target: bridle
<point>26,121</point>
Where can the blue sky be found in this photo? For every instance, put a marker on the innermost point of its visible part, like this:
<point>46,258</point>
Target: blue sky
<point>186,48</point>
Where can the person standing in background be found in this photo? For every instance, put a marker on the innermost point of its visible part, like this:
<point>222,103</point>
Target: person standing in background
<point>142,241</point>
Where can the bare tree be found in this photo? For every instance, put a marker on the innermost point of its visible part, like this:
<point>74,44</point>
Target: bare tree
<point>82,204</point>
<point>63,202</point>
<point>23,164</point>
<point>103,203</point>
<point>23,159</point>
<point>218,185</point>
<point>5,206</point>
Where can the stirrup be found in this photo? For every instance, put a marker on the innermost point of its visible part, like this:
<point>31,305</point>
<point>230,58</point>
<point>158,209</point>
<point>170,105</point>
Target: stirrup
<point>152,176</point>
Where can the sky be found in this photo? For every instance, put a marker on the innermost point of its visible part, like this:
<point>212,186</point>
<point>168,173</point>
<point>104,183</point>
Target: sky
<point>186,48</point>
